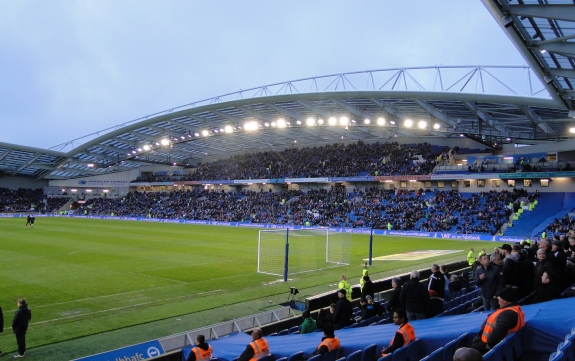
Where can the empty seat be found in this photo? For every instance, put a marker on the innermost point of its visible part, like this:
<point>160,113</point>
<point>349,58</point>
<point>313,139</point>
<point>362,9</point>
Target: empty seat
<point>354,356</point>
<point>557,356</point>
<point>449,350</point>
<point>332,355</point>
<point>413,350</point>
<point>296,356</point>
<point>316,358</point>
<point>400,354</point>
<point>567,348</point>
<point>283,332</point>
<point>293,329</point>
<point>368,353</point>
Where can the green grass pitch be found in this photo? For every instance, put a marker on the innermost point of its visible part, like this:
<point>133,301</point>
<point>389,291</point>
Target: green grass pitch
<point>87,276</point>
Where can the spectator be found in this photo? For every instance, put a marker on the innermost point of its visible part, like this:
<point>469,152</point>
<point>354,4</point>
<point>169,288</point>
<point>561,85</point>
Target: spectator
<point>202,351</point>
<point>362,279</point>
<point>404,335</point>
<point>436,304</point>
<point>344,285</point>
<point>549,289</point>
<point>308,325</point>
<point>325,316</point>
<point>446,279</point>
<point>369,308</point>
<point>488,277</point>
<point>394,301</point>
<point>525,272</point>
<point>559,260</point>
<point>367,289</point>
<point>20,323</point>
<point>414,297</point>
<point>436,282</point>
<point>542,265</point>
<point>510,266</point>
<point>257,348</point>
<point>343,311</point>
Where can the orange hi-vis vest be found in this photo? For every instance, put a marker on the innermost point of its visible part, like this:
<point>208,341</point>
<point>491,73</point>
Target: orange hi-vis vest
<point>490,323</point>
<point>407,332</point>
<point>260,347</point>
<point>330,343</point>
<point>202,354</point>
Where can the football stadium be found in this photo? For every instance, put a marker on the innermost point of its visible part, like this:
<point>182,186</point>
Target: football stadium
<point>327,200</point>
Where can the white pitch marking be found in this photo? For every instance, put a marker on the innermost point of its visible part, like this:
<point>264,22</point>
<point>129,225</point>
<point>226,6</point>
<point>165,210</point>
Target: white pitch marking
<point>162,278</point>
<point>83,250</point>
<point>190,265</point>
<point>12,259</point>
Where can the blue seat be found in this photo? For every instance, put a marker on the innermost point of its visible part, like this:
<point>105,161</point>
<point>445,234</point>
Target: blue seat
<point>354,325</point>
<point>364,323</point>
<point>332,355</point>
<point>295,356</point>
<point>567,348</point>
<point>368,353</point>
<point>341,359</point>
<point>570,337</point>
<point>436,355</point>
<point>354,356</point>
<point>464,340</point>
<point>316,358</point>
<point>382,322</point>
<point>267,358</point>
<point>373,319</point>
<point>557,356</point>
<point>495,354</point>
<point>279,359</point>
<point>293,329</point>
<point>386,357</point>
<point>449,350</point>
<point>400,354</point>
<point>283,332</point>
<point>413,350</point>
<point>273,334</point>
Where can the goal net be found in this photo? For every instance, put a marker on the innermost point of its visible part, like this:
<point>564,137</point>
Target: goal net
<point>285,252</point>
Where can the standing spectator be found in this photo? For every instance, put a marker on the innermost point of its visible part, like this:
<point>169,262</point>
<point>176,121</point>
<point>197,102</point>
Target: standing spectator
<point>559,260</point>
<point>394,302</point>
<point>549,289</point>
<point>525,272</point>
<point>436,281</point>
<point>361,281</point>
<point>404,335</point>
<point>446,279</point>
<point>308,325</point>
<point>510,266</point>
<point>257,348</point>
<point>367,289</point>
<point>325,316</point>
<point>343,311</point>
<point>344,285</point>
<point>202,351</point>
<point>488,277</point>
<point>20,323</point>
<point>414,297</point>
<point>543,265</point>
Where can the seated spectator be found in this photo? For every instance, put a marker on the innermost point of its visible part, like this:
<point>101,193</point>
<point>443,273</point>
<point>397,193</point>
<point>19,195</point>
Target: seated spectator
<point>328,342</point>
<point>549,289</point>
<point>455,284</point>
<point>308,325</point>
<point>404,335</point>
<point>370,308</point>
<point>436,305</point>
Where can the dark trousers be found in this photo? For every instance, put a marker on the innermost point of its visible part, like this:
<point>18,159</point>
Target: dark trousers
<point>479,345</point>
<point>21,341</point>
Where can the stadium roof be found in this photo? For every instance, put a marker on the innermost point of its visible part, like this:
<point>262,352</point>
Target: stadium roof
<point>473,100</point>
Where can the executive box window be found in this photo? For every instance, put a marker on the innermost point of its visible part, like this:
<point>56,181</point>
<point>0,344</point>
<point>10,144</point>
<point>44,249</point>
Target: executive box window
<point>454,184</point>
<point>544,182</point>
<point>496,183</point>
<point>466,183</point>
<point>427,185</point>
<point>511,182</point>
<point>440,184</point>
<point>481,182</point>
<point>403,185</point>
<point>527,182</point>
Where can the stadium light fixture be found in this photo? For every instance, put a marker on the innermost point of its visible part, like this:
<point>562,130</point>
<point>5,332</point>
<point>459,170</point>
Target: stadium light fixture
<point>367,121</point>
<point>408,123</point>
<point>422,124</point>
<point>295,141</point>
<point>105,191</point>
<point>380,121</point>
<point>571,130</point>
<point>392,122</point>
<point>332,121</point>
<point>90,165</point>
<point>320,121</point>
<point>266,124</point>
<point>205,133</point>
<point>228,129</point>
<point>436,126</point>
<point>157,143</point>
<point>165,142</point>
<point>197,134</point>
<point>344,120</point>
<point>182,137</point>
<point>273,124</point>
<point>89,190</point>
<point>133,152</point>
<point>281,123</point>
<point>251,126</point>
<point>215,130</point>
<point>298,122</point>
<point>74,190</point>
<point>310,122</point>
<point>139,149</point>
<point>146,147</point>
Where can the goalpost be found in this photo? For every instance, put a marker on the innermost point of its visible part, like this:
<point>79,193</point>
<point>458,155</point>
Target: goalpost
<point>283,252</point>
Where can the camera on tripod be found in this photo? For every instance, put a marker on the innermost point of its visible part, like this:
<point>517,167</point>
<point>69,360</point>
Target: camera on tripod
<point>293,291</point>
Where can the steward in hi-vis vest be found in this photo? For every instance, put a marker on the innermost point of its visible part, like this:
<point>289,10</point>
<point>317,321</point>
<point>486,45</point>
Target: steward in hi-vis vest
<point>507,319</point>
<point>256,349</point>
<point>202,351</point>
<point>328,342</point>
<point>403,336</point>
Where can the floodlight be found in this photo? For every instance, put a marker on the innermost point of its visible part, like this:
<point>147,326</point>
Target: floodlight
<point>310,122</point>
<point>157,143</point>
<point>320,121</point>
<point>436,126</point>
<point>205,133</point>
<point>197,134</point>
<point>367,121</point>
<point>134,151</point>
<point>88,190</point>
<point>183,137</point>
<point>146,147</point>
<point>571,130</point>
<point>281,123</point>
<point>422,124</point>
<point>343,120</point>
<point>392,122</point>
<point>165,141</point>
<point>380,121</point>
<point>251,125</point>
<point>332,121</point>
<point>228,129</point>
<point>408,123</point>
<point>215,130</point>
<point>90,165</point>
<point>139,149</point>
<point>266,124</point>
<point>273,124</point>
<point>298,122</point>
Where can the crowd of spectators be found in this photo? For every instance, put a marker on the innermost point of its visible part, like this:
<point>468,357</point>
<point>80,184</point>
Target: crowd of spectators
<point>379,208</point>
<point>336,160</point>
<point>26,200</point>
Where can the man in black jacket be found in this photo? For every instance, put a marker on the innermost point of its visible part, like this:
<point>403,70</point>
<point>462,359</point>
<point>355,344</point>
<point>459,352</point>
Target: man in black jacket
<point>488,277</point>
<point>436,281</point>
<point>394,302</point>
<point>414,297</point>
<point>20,323</point>
<point>343,311</point>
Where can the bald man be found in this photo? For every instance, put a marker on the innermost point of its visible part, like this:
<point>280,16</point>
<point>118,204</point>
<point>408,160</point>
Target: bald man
<point>467,354</point>
<point>256,349</point>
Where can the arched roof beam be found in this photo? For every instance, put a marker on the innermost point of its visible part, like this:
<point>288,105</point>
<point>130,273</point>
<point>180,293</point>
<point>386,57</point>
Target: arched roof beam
<point>226,116</point>
<point>32,160</point>
<point>182,125</point>
<point>563,48</point>
<point>256,114</point>
<point>5,154</point>
<point>546,11</point>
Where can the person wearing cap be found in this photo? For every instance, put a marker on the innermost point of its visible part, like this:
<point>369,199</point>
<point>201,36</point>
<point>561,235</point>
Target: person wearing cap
<point>256,349</point>
<point>344,285</point>
<point>202,351</point>
<point>404,335</point>
<point>328,342</point>
<point>308,325</point>
<point>343,311</point>
<point>507,319</point>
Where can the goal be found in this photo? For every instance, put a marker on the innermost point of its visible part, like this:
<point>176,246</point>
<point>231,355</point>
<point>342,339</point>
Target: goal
<point>284,252</point>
